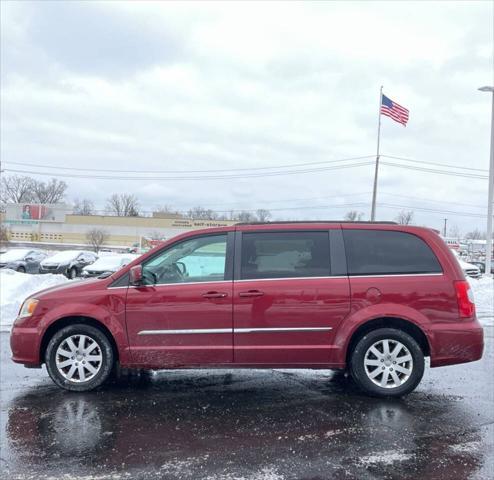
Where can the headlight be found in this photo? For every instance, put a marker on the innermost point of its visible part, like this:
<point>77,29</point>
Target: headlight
<point>28,307</point>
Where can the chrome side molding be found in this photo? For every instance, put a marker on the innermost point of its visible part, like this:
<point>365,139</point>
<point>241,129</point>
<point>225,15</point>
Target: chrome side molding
<point>194,331</point>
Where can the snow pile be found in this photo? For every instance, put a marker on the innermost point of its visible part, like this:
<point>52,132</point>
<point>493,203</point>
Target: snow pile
<point>483,292</point>
<point>15,287</point>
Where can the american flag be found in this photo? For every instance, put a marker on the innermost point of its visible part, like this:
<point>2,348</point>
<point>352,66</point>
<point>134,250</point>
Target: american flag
<point>393,110</point>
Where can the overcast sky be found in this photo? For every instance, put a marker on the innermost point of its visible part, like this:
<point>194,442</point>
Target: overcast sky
<point>201,86</point>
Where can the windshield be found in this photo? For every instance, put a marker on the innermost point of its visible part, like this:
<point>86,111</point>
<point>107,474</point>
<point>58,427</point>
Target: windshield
<point>63,257</point>
<point>13,255</point>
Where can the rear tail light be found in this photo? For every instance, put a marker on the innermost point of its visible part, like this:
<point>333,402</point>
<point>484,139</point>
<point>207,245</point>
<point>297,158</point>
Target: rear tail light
<point>464,295</point>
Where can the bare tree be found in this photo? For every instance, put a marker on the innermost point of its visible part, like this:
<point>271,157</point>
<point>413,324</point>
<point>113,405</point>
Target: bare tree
<point>96,237</point>
<point>454,231</point>
<point>4,234</point>
<point>354,216</point>
<point>123,205</point>
<point>165,210</point>
<point>155,235</point>
<point>245,217</point>
<point>17,189</point>
<point>475,235</point>
<point>83,207</point>
<point>52,191</point>
<point>263,215</point>
<point>200,213</point>
<point>405,217</point>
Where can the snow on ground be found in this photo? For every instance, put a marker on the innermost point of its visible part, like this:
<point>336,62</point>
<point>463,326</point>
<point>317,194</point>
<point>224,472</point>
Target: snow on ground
<point>483,292</point>
<point>16,287</point>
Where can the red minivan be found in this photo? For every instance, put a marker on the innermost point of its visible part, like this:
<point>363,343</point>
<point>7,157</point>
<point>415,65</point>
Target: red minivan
<point>373,298</point>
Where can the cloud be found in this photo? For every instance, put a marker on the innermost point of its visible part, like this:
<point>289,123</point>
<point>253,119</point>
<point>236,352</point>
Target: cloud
<point>194,86</point>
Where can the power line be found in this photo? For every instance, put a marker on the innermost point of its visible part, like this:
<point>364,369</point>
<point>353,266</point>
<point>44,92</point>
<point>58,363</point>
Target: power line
<point>433,210</point>
<point>300,207</point>
<point>249,175</point>
<point>263,202</point>
<point>246,169</point>
<point>439,172</point>
<point>347,205</point>
<point>58,167</point>
<point>430,200</point>
<point>448,165</point>
<point>202,177</point>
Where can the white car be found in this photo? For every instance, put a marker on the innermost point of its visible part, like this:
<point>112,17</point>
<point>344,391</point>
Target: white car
<point>469,269</point>
<point>68,262</point>
<point>107,263</point>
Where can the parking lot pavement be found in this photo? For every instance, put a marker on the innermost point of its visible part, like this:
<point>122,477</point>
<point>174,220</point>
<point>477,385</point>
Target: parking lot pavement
<point>226,424</point>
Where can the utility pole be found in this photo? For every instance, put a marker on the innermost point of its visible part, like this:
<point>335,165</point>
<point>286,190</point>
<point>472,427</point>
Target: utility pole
<point>376,172</point>
<point>490,195</point>
<point>445,227</point>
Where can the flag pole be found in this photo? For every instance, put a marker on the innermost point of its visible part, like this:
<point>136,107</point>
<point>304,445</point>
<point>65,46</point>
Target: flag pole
<point>374,191</point>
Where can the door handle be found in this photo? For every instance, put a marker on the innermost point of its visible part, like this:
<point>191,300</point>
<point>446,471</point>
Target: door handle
<point>214,295</point>
<point>251,293</point>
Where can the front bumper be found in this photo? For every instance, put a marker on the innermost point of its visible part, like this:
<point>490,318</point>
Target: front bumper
<point>59,270</point>
<point>25,345</point>
<point>460,342</point>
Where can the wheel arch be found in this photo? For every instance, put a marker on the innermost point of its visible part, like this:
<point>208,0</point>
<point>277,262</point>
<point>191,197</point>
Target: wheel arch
<point>389,322</point>
<point>72,320</point>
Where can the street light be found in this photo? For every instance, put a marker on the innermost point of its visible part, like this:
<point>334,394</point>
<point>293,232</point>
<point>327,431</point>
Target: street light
<point>490,196</point>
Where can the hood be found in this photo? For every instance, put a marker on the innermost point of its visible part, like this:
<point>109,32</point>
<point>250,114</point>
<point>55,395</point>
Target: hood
<point>464,265</point>
<point>11,262</point>
<point>72,286</point>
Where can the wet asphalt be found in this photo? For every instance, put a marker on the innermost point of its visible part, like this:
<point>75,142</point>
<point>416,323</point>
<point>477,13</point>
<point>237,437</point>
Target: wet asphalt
<point>247,424</point>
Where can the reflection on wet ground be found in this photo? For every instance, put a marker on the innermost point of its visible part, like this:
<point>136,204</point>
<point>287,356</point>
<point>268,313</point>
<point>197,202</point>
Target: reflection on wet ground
<point>249,424</point>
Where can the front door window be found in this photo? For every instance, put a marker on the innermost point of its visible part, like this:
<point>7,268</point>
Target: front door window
<point>201,259</point>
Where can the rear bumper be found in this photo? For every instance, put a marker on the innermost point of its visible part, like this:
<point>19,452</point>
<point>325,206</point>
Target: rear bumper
<point>461,342</point>
<point>86,274</point>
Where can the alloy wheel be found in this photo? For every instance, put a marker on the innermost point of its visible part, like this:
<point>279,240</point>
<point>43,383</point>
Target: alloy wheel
<point>79,358</point>
<point>388,363</point>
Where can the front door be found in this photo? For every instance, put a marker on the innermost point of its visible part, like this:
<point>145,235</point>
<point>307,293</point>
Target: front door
<point>287,305</point>
<point>182,314</point>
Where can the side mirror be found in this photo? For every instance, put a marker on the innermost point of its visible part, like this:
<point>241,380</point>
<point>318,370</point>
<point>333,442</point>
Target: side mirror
<point>136,275</point>
<point>29,259</point>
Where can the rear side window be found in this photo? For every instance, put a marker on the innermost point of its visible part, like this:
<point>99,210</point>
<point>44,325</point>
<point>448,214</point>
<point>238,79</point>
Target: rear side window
<point>380,252</point>
<point>285,255</point>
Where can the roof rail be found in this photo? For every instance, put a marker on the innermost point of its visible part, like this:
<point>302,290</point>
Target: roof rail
<point>278,222</point>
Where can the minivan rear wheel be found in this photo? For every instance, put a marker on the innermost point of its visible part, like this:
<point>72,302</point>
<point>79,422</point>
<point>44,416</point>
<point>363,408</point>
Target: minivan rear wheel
<point>79,358</point>
<point>387,362</point>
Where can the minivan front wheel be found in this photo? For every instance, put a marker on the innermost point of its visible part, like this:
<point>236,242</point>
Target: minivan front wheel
<point>387,362</point>
<point>79,358</point>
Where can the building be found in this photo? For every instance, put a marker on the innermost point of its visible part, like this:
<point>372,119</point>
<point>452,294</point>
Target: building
<point>57,224</point>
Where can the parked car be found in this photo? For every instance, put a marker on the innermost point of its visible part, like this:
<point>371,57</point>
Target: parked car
<point>107,264</point>
<point>22,259</point>
<point>468,268</point>
<point>69,262</point>
<point>481,265</point>
<point>372,298</point>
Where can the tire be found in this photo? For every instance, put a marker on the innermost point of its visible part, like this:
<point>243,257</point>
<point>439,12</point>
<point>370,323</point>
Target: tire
<point>376,374</point>
<point>72,273</point>
<point>77,372</point>
<point>21,270</point>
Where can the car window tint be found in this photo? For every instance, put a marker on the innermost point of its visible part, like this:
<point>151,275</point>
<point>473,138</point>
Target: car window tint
<point>285,255</point>
<point>200,259</point>
<point>379,252</point>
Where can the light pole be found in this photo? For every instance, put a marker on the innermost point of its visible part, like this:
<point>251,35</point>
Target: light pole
<point>490,195</point>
